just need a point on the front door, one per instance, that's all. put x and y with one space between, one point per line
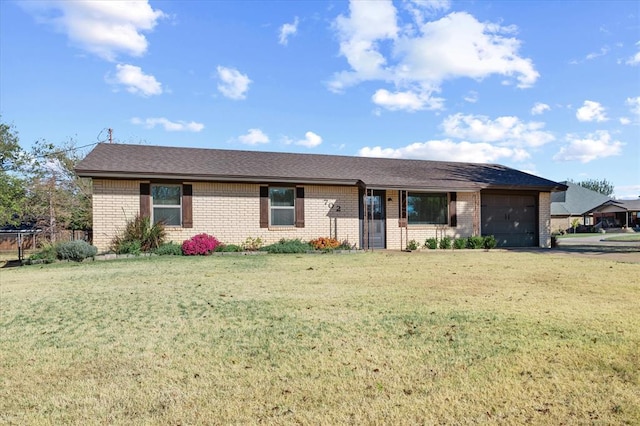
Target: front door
373 220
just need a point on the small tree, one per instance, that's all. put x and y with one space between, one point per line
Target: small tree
575 223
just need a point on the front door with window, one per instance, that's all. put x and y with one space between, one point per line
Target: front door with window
373 220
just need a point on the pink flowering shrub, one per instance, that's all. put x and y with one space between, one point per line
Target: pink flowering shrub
201 244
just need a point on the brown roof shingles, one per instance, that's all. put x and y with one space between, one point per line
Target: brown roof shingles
149 162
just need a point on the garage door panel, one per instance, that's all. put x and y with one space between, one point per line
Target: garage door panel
510 218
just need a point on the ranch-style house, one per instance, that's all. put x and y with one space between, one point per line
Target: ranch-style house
374 203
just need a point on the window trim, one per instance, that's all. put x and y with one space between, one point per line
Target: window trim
178 206
292 207
447 206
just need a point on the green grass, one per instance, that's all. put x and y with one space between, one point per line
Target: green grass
624 237
375 338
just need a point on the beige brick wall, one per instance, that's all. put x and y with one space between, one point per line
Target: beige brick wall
544 219
230 212
397 237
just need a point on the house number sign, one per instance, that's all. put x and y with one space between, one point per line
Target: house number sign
332 205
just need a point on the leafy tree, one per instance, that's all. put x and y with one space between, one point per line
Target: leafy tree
602 186
12 192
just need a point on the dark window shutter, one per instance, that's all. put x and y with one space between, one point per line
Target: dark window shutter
264 207
402 197
453 215
187 206
145 200
300 207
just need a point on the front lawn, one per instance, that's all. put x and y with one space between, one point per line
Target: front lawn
439 337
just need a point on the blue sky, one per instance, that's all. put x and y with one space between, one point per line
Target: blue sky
550 88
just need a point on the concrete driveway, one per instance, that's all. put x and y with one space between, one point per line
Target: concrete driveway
596 245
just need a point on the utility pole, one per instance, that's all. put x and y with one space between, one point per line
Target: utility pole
110 135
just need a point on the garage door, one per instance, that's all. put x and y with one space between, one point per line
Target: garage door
511 218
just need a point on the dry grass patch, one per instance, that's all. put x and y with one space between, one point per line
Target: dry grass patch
382 338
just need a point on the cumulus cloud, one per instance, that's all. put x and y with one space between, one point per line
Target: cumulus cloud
592 147
288 30
448 150
591 111
471 97
233 84
311 140
417 57
254 137
635 59
539 108
593 55
408 101
168 125
505 131
103 28
634 106
135 81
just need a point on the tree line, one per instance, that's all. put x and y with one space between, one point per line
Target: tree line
39 187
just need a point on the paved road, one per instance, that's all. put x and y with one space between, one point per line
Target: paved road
595 245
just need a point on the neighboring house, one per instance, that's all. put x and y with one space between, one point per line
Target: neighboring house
576 202
371 202
618 214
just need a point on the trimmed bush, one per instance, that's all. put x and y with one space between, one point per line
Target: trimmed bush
288 246
252 244
459 243
228 248
169 249
489 242
200 245
475 242
431 243
77 250
412 245
445 243
324 243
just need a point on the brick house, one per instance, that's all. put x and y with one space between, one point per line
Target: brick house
371 202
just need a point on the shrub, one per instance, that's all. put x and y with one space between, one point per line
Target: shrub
130 247
489 242
252 244
460 243
431 243
288 246
228 248
324 243
201 244
445 243
346 245
412 245
77 250
47 254
169 249
475 242
139 229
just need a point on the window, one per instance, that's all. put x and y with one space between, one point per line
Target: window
427 208
282 206
166 204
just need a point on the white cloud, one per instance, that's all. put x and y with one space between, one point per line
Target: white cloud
625 121
505 131
594 146
288 30
591 111
254 137
539 108
135 81
169 126
418 57
103 28
311 140
603 51
635 59
472 97
634 106
233 84
408 101
447 150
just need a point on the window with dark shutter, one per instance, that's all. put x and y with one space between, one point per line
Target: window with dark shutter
187 206
453 216
264 207
299 207
145 200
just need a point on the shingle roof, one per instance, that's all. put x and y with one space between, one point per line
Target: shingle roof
160 162
575 201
